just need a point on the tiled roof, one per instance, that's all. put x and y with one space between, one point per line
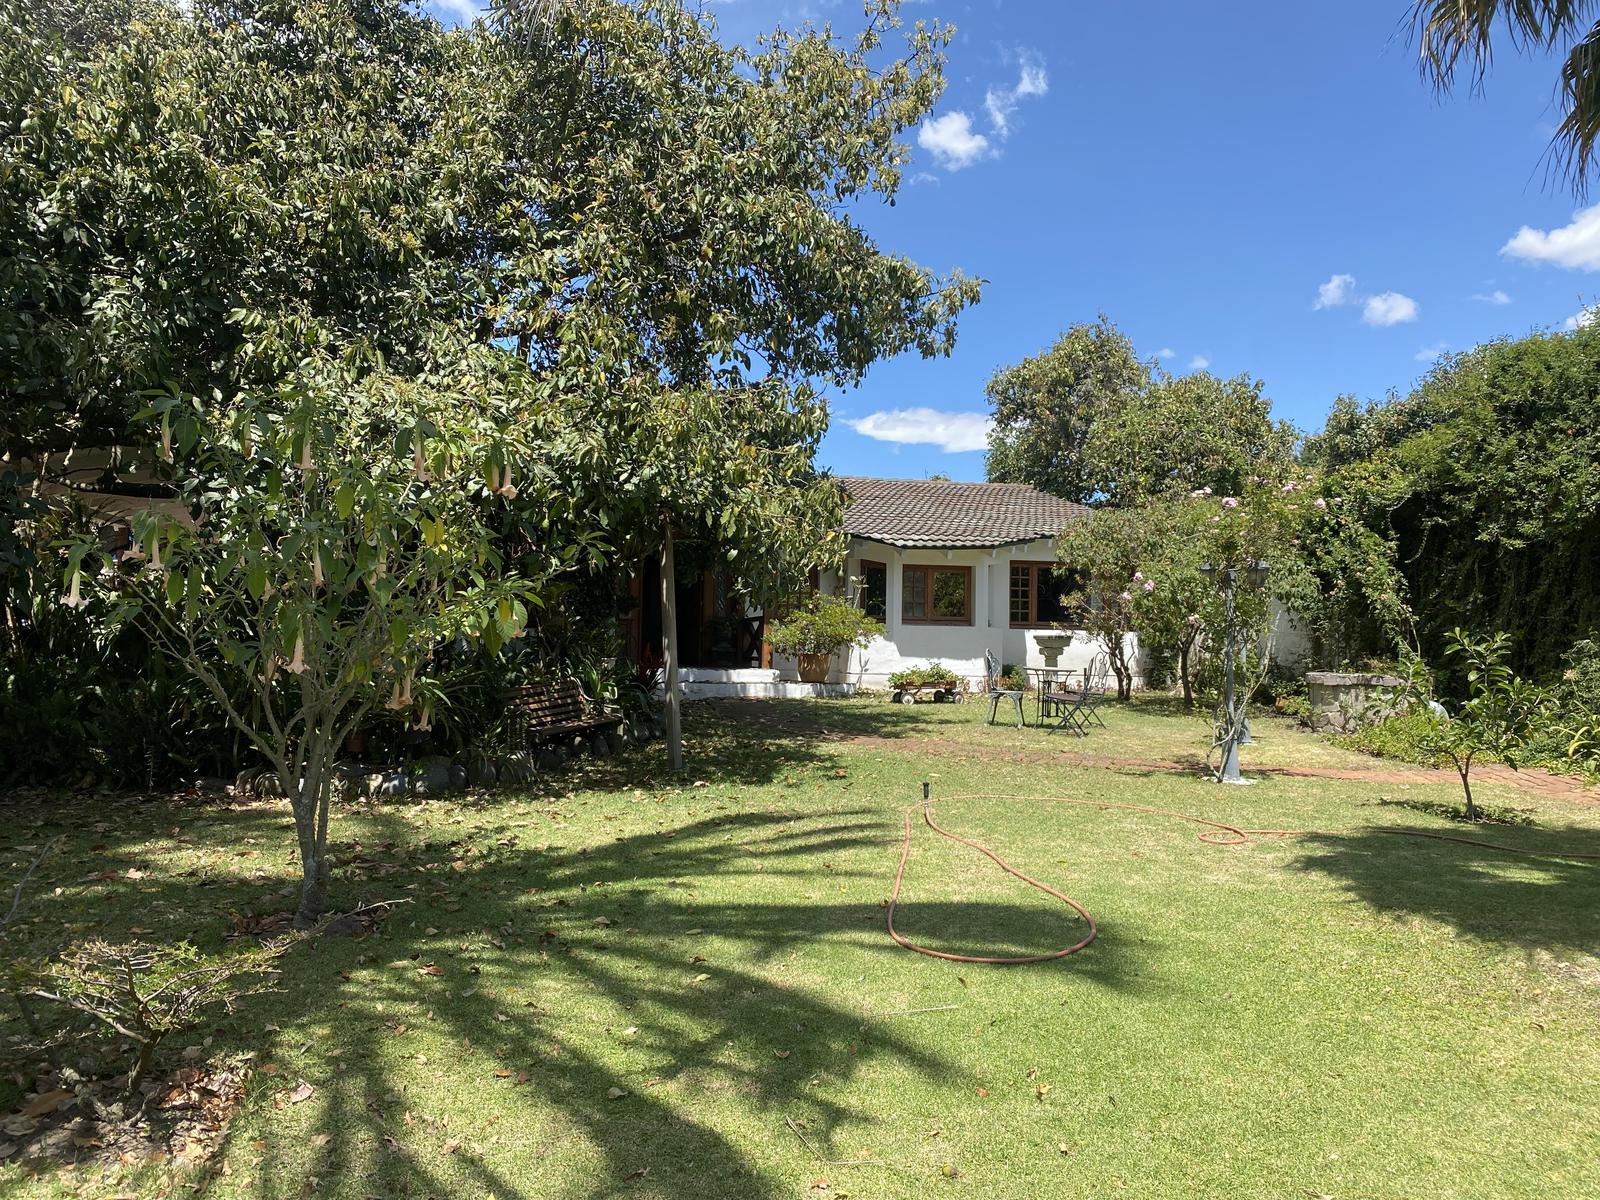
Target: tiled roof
938 513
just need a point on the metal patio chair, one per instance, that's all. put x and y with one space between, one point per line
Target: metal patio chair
991 669
1096 687
1065 704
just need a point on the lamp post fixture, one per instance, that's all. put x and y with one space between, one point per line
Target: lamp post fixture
1235 731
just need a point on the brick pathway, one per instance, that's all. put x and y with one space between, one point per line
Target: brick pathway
1531 779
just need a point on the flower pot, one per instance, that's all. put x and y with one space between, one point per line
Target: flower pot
814 667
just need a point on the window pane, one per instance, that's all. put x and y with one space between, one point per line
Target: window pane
875 590
950 595
1054 587
914 593
1021 589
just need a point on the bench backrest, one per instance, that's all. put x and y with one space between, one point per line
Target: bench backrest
549 703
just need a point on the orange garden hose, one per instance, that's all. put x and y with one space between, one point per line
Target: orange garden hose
1218 833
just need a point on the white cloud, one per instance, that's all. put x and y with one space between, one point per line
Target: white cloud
1497 296
1340 289
1584 316
1166 352
1389 308
1429 354
1001 102
1575 245
1199 362
921 177
952 141
463 12
952 432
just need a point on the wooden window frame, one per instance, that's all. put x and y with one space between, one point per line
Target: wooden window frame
1034 567
927 594
884 566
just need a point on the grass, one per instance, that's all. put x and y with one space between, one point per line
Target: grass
1347 1014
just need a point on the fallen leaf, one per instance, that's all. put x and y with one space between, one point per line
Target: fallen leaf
430 969
700 978
615 1093
47 1102
451 1146
502 1074
638 1173
302 1091
781 1053
983 1093
321 1139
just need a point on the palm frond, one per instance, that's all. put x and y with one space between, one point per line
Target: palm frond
1572 149
1453 35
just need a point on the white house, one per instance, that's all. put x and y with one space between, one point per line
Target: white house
953 569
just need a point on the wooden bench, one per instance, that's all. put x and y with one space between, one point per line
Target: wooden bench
543 712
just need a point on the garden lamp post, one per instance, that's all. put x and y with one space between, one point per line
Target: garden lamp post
1254 576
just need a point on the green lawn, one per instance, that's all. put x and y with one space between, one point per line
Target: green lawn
1349 1014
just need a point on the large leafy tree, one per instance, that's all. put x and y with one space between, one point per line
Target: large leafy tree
1484 480
1047 406
1185 432
1089 421
588 249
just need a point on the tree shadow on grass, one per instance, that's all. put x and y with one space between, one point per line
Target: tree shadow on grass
565 969
574 973
1530 902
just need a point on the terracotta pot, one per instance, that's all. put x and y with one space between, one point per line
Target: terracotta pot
814 667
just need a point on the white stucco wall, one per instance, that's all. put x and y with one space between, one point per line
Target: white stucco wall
959 647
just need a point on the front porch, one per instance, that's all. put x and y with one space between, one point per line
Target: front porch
753 683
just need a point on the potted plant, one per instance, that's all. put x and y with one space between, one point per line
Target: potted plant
819 629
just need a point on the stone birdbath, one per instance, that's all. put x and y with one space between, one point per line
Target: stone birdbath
1051 645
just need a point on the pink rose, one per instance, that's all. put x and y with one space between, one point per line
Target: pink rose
1321 503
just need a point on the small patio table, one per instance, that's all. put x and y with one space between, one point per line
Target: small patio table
1057 697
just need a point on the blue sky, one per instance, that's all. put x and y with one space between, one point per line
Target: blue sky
1249 187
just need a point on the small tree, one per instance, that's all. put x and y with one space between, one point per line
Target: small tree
1496 718
1106 550
146 993
1173 603
342 526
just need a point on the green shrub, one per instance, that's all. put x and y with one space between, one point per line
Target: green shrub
927 675
823 625
1401 737
1015 677
1581 676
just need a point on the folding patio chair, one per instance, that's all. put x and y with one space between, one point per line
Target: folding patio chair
1065 704
991 668
1096 687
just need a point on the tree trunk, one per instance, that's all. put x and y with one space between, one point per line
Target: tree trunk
1183 675
147 1051
310 804
669 652
1464 769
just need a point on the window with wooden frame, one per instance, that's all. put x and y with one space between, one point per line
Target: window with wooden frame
1038 595
875 589
936 595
